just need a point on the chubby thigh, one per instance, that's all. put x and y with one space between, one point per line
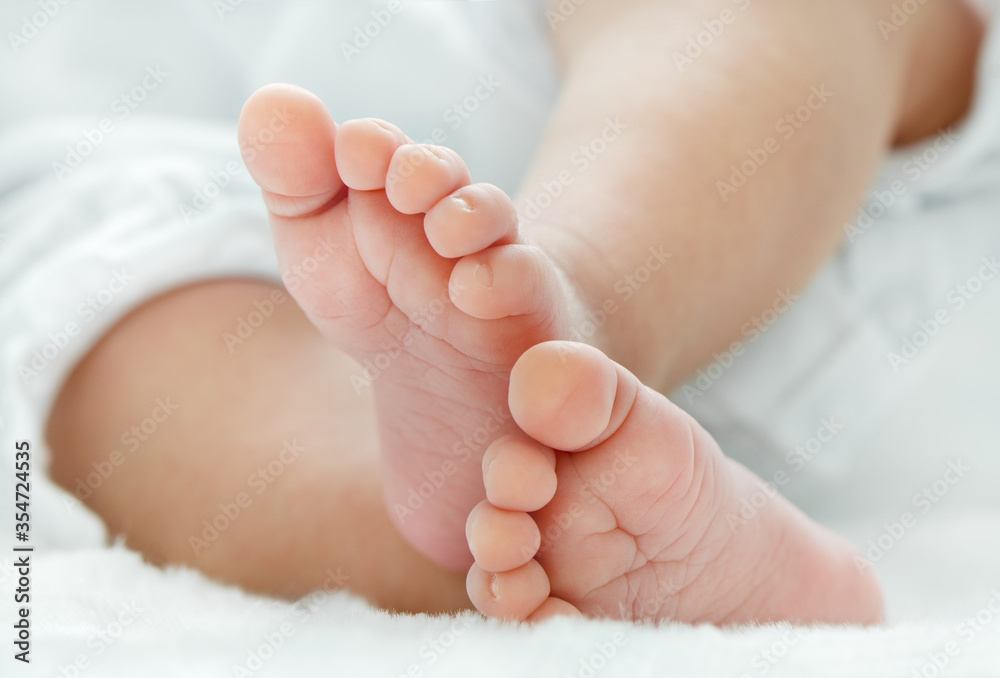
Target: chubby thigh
214 427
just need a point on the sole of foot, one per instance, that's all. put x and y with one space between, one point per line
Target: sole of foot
422 277
613 502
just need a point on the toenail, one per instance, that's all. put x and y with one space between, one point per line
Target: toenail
495 586
484 275
383 125
431 154
463 204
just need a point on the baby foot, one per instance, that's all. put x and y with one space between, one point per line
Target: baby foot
621 505
418 274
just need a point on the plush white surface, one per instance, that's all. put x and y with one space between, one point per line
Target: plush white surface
187 626
940 574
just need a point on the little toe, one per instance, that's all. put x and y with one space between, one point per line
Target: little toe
501 540
512 595
471 219
519 474
420 175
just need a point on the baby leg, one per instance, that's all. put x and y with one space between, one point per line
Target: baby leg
265 475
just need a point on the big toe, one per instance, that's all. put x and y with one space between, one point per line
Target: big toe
569 396
286 137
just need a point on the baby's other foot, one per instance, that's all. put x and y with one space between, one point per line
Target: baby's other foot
418 274
621 505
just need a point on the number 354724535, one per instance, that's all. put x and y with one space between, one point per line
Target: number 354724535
22 466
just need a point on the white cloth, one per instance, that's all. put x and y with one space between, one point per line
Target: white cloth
105 613
120 176
829 373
